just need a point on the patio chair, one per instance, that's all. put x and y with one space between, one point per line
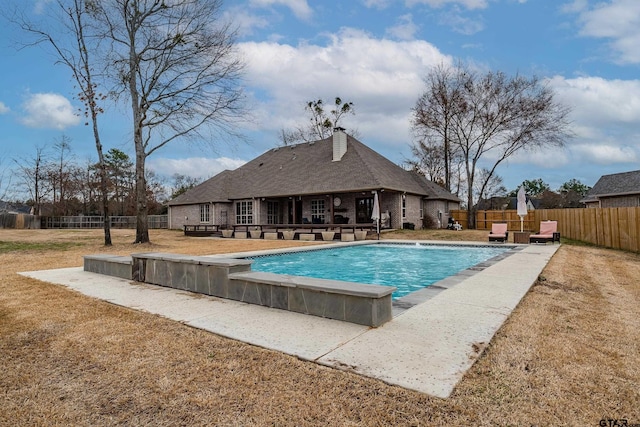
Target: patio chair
548 233
498 232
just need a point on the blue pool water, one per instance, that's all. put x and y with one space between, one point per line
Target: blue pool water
407 267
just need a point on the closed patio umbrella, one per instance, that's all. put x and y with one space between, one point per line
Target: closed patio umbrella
522 206
375 215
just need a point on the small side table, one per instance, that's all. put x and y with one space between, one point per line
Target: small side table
521 237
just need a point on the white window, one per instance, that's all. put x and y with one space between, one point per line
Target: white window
205 213
317 211
244 212
421 209
404 206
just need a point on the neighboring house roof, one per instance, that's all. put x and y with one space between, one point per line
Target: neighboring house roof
14 208
617 184
308 168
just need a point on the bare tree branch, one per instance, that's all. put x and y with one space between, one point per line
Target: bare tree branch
487 118
175 61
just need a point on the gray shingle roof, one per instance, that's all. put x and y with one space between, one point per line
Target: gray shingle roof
616 184
306 169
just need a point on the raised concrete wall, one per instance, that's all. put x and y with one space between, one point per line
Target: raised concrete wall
352 302
233 279
109 265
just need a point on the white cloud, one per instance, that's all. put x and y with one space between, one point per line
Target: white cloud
194 167
468 4
245 21
3 108
49 110
461 24
604 154
39 6
300 8
596 101
575 6
617 21
377 4
405 29
383 78
547 158
605 118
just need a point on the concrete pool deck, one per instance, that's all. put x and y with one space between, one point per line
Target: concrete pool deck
426 348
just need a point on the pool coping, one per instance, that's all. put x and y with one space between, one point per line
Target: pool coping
431 344
400 305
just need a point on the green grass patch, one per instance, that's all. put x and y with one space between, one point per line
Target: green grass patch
573 242
6 247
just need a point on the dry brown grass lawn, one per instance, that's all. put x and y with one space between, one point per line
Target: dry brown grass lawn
568 355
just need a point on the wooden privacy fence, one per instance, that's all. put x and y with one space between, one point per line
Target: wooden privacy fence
484 219
19 221
617 228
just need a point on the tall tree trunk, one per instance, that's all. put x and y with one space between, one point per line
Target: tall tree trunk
103 183
471 209
142 224
139 113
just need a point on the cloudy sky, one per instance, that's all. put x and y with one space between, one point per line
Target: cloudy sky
374 53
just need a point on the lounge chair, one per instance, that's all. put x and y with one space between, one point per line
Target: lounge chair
498 232
548 233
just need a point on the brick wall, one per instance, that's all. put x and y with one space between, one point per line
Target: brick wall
219 214
183 214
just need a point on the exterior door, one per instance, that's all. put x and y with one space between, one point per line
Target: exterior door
364 209
295 212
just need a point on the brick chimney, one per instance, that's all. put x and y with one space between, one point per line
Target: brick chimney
339 144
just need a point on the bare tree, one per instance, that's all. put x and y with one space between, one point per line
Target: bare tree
182 183
5 182
88 174
34 178
176 64
74 43
493 116
321 122
491 186
429 160
60 175
433 119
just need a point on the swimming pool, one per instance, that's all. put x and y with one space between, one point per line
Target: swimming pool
408 267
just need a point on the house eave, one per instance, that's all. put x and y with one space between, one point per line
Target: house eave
598 197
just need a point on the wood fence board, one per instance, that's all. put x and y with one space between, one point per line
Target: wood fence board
590 228
599 237
606 228
621 230
634 229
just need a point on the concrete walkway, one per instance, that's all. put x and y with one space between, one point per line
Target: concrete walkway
427 348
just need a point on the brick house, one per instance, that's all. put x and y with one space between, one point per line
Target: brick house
330 181
617 190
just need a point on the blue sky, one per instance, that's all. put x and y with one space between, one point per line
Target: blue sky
374 53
